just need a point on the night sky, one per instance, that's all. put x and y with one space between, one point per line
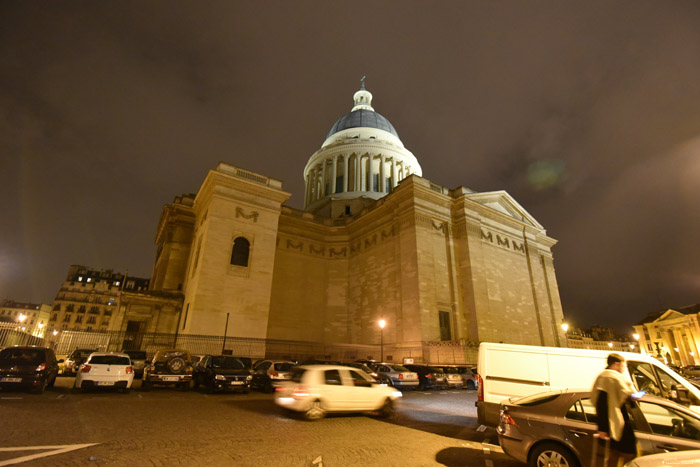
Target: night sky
587 113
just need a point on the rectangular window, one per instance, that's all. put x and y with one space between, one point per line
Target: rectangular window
78 319
445 331
92 320
66 319
375 182
387 185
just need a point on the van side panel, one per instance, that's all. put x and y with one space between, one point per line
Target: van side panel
574 371
515 374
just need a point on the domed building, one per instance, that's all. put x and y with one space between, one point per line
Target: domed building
445 268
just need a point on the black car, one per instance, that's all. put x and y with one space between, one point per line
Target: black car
223 373
28 367
429 376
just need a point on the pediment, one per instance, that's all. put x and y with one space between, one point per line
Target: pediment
503 203
669 315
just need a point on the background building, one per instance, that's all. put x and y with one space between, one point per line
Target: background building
672 335
33 317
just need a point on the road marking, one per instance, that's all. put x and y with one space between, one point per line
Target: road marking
60 396
12 398
54 450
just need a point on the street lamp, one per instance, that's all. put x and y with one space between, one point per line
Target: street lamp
636 336
610 344
21 318
565 327
382 323
55 332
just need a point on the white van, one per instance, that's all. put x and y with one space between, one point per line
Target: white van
509 370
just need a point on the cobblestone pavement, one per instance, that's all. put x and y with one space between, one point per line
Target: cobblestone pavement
165 427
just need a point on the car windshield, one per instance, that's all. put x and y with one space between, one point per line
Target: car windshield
19 356
228 363
284 366
136 354
437 370
449 369
398 368
109 360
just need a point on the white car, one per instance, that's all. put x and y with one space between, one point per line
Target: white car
315 390
103 369
667 458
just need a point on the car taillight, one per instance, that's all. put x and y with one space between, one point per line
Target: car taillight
300 391
129 370
506 419
41 367
400 375
189 371
480 382
85 369
428 375
274 374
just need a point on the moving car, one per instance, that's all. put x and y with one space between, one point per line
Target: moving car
666 458
106 369
429 376
557 427
138 361
396 375
74 360
28 367
269 373
222 373
316 390
168 367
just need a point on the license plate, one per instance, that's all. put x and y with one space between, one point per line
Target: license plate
171 378
237 382
10 380
105 383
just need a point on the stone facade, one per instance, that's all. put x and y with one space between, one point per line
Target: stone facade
438 265
672 335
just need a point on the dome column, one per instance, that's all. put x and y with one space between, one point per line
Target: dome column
346 173
334 182
394 174
382 176
323 179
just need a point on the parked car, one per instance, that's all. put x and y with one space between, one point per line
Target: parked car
74 360
558 426
316 390
666 458
105 369
223 373
196 359
373 373
168 367
396 375
470 377
269 373
454 378
138 361
28 367
429 377
691 371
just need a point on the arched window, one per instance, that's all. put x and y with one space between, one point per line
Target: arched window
241 252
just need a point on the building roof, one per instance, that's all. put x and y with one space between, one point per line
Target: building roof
362 118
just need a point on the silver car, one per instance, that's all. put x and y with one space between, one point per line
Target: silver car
138 361
396 375
556 428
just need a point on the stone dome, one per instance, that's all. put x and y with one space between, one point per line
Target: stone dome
362 118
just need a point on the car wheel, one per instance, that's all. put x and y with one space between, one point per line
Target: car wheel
196 383
125 390
268 388
552 455
40 389
387 409
176 365
470 384
53 381
315 411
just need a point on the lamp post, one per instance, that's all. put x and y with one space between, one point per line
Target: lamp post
382 323
564 327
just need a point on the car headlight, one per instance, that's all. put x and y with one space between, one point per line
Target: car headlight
220 377
249 377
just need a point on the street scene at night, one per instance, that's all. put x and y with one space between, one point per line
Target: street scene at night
304 233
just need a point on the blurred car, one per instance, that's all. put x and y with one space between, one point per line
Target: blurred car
557 427
267 374
429 377
138 361
223 373
666 458
454 378
105 369
74 360
691 371
396 375
316 390
28 367
170 367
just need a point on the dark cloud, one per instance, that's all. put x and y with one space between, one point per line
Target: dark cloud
587 113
